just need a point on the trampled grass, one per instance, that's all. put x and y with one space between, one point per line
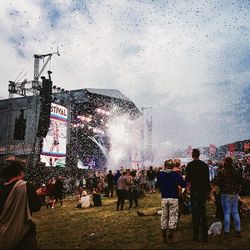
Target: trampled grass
105 228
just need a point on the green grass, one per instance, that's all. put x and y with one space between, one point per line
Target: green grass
106 228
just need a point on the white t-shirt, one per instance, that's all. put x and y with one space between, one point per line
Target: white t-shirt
85 201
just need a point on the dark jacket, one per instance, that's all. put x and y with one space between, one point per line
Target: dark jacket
168 183
229 180
197 174
111 180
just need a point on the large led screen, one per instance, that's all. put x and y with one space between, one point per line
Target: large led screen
54 144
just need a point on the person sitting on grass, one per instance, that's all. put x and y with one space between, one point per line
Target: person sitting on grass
97 199
84 201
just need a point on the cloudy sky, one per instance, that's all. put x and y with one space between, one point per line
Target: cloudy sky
188 60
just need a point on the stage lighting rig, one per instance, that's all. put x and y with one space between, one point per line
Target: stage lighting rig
84 118
102 112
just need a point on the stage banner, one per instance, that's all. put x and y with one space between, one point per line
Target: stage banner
212 149
246 147
189 151
54 144
231 148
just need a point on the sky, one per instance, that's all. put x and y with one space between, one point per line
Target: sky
187 59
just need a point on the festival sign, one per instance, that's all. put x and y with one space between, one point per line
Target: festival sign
54 145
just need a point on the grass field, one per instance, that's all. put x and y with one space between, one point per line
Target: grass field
105 228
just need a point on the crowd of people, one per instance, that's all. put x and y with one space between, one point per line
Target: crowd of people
184 189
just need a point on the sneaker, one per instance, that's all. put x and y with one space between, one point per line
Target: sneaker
226 235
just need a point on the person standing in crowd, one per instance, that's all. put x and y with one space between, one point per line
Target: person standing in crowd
133 190
197 175
18 199
211 170
143 180
229 181
151 175
59 190
111 183
168 182
121 190
117 176
51 193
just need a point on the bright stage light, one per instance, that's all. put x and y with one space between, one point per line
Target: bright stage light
84 118
102 111
76 125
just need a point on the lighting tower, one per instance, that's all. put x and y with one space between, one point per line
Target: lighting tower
26 87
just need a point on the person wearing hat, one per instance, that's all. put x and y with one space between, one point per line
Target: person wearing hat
229 180
84 201
18 199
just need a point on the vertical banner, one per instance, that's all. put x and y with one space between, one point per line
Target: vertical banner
54 144
189 151
212 149
231 148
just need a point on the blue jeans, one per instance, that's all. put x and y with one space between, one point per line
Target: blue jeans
152 184
230 206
